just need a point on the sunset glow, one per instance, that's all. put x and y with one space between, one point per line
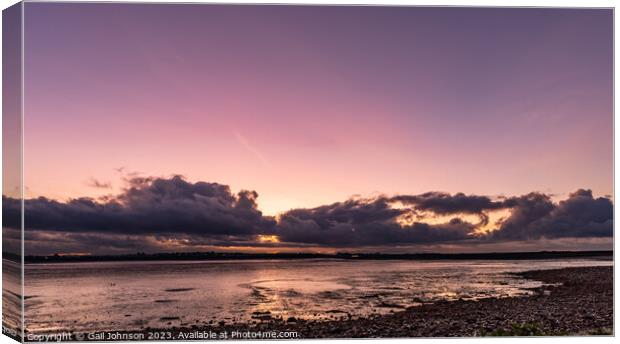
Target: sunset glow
308 124
200 172
268 239
315 128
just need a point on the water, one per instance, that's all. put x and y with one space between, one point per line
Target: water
11 297
135 295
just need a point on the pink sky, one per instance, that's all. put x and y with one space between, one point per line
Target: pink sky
309 106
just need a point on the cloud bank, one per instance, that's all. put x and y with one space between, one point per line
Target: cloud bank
172 213
150 206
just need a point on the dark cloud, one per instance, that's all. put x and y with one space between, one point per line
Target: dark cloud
155 213
151 206
11 240
535 216
49 242
364 223
444 203
524 210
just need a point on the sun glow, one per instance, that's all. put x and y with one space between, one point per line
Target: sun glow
268 239
494 220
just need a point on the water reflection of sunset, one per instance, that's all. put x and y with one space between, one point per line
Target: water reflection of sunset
247 291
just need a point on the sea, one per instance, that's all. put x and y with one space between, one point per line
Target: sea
113 296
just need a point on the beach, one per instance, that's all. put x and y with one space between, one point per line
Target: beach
572 301
85 297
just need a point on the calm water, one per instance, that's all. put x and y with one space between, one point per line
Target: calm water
134 295
11 296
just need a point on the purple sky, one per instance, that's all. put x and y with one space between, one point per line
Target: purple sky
311 105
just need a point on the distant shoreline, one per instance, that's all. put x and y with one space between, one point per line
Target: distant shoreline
219 256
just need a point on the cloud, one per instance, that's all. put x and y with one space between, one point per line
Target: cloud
444 203
173 213
364 222
150 206
535 216
92 182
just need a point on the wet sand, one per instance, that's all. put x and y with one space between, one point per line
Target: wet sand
572 301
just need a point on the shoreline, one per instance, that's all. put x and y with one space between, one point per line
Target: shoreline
580 304
235 256
573 301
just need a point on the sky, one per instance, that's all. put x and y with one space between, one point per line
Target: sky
310 105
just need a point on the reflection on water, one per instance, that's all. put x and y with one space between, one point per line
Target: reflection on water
135 295
11 297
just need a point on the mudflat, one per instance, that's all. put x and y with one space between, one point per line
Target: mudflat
573 301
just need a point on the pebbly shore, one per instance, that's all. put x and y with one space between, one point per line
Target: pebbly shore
572 301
